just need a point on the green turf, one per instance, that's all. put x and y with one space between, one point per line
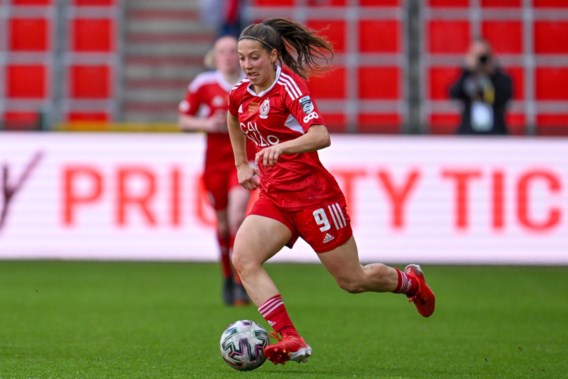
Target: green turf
152 320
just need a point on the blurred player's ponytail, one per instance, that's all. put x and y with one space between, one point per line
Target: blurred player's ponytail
300 48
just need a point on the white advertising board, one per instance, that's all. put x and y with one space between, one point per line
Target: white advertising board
411 199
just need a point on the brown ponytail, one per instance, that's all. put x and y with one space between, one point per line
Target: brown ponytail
300 48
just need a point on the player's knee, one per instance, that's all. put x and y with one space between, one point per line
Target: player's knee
242 262
236 260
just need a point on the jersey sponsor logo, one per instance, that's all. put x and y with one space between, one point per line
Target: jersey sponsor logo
265 108
311 116
307 105
250 130
252 107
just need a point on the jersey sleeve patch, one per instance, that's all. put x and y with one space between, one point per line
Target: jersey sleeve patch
307 105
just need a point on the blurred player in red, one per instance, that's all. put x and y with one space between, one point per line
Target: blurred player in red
204 109
298 196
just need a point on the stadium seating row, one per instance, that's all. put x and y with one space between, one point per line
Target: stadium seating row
51 57
371 43
46 55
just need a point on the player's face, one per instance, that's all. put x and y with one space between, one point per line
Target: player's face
226 57
257 63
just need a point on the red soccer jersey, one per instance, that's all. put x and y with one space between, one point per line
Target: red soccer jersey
206 95
283 112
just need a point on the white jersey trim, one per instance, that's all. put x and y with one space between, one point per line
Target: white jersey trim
211 77
202 79
293 124
251 91
239 84
290 81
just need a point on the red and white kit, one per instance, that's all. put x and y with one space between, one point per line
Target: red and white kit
298 190
207 95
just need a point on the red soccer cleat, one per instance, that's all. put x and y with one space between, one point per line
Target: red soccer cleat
288 348
424 298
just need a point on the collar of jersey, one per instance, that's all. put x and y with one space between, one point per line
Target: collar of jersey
251 91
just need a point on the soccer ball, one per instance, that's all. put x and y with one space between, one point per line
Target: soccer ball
242 345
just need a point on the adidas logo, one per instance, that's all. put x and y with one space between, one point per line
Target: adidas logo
241 108
328 237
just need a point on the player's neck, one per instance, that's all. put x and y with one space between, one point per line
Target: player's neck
266 85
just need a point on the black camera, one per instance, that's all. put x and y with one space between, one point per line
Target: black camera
483 59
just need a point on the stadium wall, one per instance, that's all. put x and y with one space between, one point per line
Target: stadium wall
440 200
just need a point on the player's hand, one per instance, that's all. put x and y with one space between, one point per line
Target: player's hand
269 156
217 122
248 176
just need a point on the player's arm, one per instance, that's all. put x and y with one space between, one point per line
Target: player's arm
315 138
188 121
200 124
248 175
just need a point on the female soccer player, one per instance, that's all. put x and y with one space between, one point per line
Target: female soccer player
208 93
298 196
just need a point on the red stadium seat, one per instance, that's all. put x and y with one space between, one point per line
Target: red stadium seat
29 34
547 37
501 3
443 123
380 3
550 3
26 81
441 78
552 124
336 122
92 35
90 82
334 30
516 123
504 36
448 3
330 85
20 120
88 116
518 77
379 83
448 37
94 2
380 36
386 123
550 83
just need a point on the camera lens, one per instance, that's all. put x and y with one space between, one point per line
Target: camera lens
483 59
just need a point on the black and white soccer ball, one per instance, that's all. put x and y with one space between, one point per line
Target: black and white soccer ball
242 345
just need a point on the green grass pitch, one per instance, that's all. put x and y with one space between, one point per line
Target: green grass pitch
164 320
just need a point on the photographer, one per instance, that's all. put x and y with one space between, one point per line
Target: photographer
484 89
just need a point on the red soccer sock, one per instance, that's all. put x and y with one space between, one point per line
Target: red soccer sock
274 312
405 284
224 247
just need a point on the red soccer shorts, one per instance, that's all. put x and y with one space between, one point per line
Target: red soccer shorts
218 183
323 227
